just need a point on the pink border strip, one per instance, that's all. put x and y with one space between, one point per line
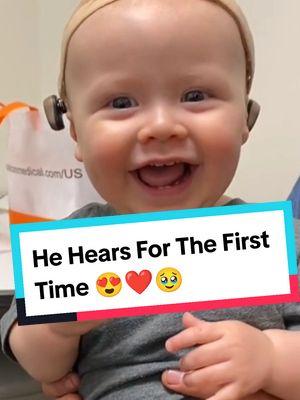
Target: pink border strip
292 297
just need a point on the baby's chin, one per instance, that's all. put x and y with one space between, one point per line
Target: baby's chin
144 208
136 209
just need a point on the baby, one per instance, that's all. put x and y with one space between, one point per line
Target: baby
156 92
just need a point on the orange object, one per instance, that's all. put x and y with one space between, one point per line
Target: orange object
20 218
7 109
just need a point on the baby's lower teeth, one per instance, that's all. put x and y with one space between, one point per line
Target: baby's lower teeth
170 186
164 187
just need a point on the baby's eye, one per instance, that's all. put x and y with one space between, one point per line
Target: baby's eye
123 102
164 280
194 96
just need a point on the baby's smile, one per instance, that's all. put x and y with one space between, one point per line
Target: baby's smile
165 177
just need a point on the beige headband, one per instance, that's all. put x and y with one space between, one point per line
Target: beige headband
87 7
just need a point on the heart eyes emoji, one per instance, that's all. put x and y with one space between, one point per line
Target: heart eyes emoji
109 284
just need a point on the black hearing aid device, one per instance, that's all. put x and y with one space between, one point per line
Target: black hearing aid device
55 108
253 109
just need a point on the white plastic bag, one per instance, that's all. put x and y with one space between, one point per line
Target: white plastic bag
45 181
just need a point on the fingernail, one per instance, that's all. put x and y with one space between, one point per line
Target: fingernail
168 345
174 377
190 315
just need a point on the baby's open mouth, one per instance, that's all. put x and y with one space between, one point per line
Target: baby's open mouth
167 175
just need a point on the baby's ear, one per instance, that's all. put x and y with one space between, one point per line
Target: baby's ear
245 133
253 109
73 134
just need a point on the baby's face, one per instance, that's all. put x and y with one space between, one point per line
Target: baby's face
157 102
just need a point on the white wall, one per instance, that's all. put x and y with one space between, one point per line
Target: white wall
52 16
270 163
20 62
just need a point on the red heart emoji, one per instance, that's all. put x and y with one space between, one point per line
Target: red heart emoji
139 282
114 281
102 282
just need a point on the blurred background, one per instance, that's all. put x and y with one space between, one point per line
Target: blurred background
30 32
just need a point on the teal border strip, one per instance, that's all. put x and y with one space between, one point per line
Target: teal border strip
284 206
17 261
290 237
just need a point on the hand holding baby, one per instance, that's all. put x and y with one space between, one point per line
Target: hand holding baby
74 329
232 360
64 339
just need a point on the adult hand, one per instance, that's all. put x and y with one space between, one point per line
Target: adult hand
74 329
261 396
64 389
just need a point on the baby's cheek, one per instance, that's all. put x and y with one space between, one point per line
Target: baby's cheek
222 146
98 151
221 157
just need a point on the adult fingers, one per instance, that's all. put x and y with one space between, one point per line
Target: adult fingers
65 386
71 396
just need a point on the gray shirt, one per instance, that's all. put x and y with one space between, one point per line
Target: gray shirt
124 358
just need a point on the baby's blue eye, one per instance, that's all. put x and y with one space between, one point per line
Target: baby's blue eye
164 280
123 102
194 96
173 279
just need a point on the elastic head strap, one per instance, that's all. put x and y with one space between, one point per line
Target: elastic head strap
88 7
55 107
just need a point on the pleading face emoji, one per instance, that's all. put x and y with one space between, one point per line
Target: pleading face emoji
109 284
168 279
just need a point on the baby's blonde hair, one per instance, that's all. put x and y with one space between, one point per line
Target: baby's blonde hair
88 7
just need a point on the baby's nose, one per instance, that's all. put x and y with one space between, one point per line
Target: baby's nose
162 127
